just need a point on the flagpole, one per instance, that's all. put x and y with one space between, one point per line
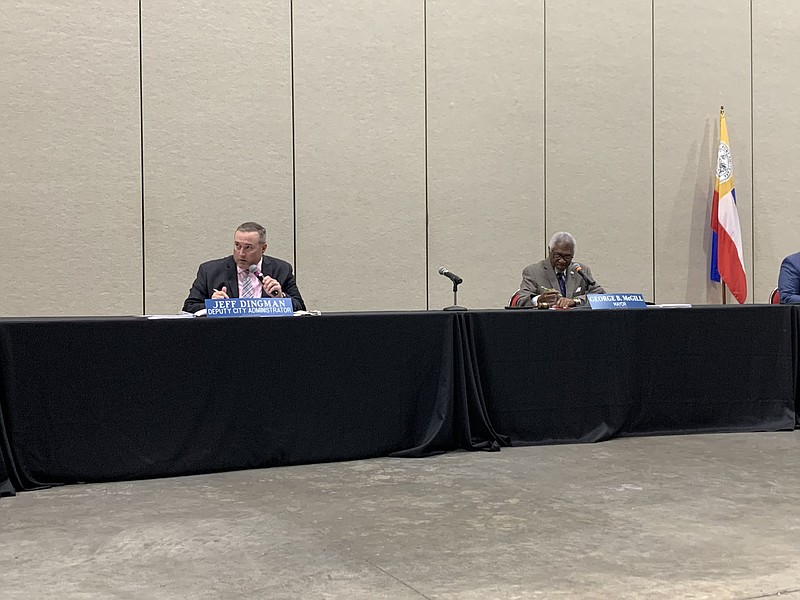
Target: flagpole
722 281
724 287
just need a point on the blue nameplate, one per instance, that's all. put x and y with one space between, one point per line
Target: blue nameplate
249 307
606 301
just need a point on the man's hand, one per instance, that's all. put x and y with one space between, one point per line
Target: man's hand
565 303
549 296
272 287
218 294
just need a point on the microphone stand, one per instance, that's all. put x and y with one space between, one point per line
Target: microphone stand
455 300
588 283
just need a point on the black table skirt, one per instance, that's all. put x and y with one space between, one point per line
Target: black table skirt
110 399
93 400
796 354
589 376
6 489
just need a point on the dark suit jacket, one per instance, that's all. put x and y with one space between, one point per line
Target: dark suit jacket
222 271
542 274
789 279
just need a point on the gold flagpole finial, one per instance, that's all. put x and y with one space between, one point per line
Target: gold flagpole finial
722 110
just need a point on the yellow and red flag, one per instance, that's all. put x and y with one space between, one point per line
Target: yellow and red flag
727 257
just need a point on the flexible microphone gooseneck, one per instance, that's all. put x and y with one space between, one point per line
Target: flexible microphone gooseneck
451 276
579 270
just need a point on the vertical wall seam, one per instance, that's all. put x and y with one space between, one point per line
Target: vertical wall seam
294 155
544 120
752 166
653 133
141 161
425 151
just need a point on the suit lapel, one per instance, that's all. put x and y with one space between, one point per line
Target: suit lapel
266 269
551 276
574 281
232 277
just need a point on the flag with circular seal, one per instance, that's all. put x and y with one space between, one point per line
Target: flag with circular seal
727 256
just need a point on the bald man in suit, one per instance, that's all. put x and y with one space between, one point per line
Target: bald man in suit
230 277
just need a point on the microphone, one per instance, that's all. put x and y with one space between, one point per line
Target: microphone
254 270
579 270
451 276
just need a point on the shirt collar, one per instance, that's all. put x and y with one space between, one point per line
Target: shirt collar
240 270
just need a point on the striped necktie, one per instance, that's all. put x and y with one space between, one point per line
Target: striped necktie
247 286
562 283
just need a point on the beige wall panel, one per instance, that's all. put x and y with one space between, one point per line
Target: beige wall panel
702 61
776 129
217 135
360 163
70 180
599 181
485 146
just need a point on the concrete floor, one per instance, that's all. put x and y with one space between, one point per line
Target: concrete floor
703 516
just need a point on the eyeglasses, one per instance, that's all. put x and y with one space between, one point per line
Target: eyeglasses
559 256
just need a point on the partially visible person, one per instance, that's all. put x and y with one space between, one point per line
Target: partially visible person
230 277
554 281
789 279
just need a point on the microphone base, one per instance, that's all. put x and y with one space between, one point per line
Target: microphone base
455 308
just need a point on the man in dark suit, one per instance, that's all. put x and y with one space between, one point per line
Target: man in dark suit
789 279
555 281
230 277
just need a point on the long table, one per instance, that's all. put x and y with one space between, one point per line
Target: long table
590 376
109 399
